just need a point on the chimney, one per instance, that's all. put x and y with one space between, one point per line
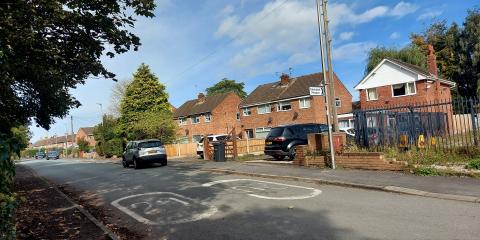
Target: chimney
284 79
432 61
201 97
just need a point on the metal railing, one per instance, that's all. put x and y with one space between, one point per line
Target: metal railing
442 124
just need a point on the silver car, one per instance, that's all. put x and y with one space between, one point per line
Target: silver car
140 153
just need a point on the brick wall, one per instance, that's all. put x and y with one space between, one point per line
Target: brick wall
426 92
367 161
222 121
82 134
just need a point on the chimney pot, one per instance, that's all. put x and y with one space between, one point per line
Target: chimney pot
284 79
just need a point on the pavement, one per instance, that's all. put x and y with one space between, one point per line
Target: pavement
185 200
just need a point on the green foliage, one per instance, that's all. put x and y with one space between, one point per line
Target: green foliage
457 49
114 147
410 54
426 171
107 130
29 153
49 47
227 85
155 125
475 164
145 111
83 145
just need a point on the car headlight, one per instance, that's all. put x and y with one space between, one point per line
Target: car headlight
161 150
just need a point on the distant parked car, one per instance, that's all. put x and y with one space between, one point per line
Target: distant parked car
144 152
53 155
39 155
211 138
283 141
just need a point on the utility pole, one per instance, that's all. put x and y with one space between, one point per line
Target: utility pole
103 129
325 83
71 128
331 80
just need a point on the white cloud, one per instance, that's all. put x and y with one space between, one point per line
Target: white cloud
288 30
429 14
227 10
394 35
346 35
402 9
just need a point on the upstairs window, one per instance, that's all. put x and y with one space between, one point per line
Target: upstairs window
247 112
372 94
338 102
208 117
182 121
403 89
284 106
195 119
304 102
263 109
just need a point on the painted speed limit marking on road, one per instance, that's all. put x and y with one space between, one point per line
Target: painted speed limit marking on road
267 190
161 208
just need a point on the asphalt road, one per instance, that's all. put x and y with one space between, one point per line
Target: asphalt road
181 202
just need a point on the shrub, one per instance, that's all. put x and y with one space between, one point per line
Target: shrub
113 147
426 171
475 164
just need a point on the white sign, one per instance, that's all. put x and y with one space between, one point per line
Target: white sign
317 91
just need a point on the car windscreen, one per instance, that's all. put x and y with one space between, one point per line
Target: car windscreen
52 152
276 132
150 144
221 138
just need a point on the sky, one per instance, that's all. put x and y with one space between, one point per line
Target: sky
190 45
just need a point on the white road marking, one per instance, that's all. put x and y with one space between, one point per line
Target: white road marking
150 210
314 191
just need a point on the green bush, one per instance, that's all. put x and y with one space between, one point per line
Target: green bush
114 147
426 171
475 164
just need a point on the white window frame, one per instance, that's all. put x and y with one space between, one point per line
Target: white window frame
209 118
338 102
197 121
376 93
406 89
266 107
283 103
261 130
247 112
302 102
182 121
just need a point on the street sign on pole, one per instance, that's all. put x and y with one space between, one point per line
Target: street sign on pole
317 91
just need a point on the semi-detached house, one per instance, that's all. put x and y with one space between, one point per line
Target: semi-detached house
288 101
215 114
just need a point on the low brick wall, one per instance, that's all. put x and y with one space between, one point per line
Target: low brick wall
367 161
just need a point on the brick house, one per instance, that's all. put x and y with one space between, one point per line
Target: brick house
207 115
393 82
56 142
87 134
288 101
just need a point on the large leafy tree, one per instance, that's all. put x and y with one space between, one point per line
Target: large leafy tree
226 85
118 92
410 54
144 95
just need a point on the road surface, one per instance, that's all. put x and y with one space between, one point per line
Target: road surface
180 201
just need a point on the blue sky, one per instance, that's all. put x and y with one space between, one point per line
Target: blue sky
192 44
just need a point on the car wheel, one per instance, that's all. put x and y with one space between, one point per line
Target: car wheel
136 164
201 156
279 158
292 153
124 163
164 163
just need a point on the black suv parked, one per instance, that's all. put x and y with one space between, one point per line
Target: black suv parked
282 141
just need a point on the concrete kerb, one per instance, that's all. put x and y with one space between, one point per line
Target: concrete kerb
80 208
392 189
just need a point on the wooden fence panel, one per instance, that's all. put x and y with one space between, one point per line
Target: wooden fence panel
181 150
245 146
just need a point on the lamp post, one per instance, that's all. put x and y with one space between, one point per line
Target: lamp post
103 129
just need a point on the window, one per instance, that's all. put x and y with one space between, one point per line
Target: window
284 106
338 102
182 121
403 89
372 94
208 117
304 102
262 109
238 116
247 112
249 133
262 132
195 119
